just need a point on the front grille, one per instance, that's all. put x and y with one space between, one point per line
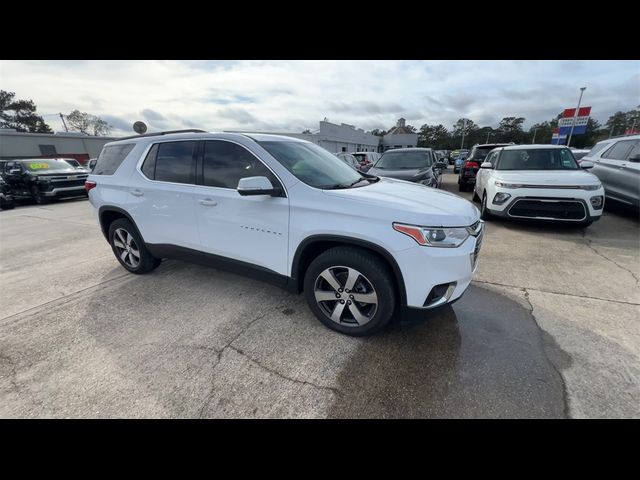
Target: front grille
548 209
63 181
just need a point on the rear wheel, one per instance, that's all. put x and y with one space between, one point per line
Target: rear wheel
7 205
129 248
350 290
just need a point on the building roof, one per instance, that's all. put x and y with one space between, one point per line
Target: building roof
400 131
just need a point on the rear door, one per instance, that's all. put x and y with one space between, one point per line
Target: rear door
162 195
629 173
250 229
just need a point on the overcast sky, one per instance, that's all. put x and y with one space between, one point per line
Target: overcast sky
290 96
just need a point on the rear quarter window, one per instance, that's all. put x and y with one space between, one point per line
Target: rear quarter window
111 158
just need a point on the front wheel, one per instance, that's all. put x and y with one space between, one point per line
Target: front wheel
7 205
475 196
350 290
129 248
37 196
485 214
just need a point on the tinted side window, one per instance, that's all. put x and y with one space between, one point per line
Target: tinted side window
225 163
619 150
111 158
176 162
635 150
149 165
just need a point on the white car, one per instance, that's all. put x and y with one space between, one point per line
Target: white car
542 182
361 247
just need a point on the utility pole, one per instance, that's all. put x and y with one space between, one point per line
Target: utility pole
488 133
64 123
534 136
464 129
573 124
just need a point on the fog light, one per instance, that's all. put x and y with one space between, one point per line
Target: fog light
500 198
596 202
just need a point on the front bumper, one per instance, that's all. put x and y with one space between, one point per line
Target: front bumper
449 270
64 192
552 205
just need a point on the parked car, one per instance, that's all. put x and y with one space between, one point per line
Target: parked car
43 179
579 153
542 182
366 159
617 165
441 159
75 164
360 247
6 196
457 164
349 160
411 164
471 164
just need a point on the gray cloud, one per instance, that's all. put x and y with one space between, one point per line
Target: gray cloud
152 115
240 115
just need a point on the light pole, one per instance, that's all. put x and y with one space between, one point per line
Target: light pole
464 129
573 124
534 136
488 133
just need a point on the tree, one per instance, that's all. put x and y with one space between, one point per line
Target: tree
20 114
463 126
510 130
434 136
541 133
306 132
378 133
88 124
411 128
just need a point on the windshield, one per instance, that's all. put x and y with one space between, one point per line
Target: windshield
73 163
537 159
35 165
404 160
312 164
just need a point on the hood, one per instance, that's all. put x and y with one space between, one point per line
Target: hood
547 177
408 174
66 171
413 203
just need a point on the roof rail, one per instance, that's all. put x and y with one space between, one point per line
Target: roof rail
190 130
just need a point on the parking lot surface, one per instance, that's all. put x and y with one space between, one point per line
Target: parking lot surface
548 329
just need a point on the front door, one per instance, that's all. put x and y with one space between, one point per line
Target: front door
251 229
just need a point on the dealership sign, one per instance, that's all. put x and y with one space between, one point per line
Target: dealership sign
561 133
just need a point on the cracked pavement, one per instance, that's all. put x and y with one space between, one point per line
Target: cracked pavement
548 329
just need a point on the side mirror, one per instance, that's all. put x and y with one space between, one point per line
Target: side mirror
586 164
14 171
635 158
257 186
486 165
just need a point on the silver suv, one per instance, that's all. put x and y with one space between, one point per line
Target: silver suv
617 165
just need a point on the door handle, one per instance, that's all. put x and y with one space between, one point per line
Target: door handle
208 202
137 192
624 165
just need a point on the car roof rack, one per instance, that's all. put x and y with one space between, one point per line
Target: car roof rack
190 130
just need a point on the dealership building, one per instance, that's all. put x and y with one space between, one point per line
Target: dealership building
347 138
14 144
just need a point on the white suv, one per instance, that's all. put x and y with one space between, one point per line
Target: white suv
360 247
539 182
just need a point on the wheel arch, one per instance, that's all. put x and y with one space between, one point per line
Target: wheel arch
108 214
315 245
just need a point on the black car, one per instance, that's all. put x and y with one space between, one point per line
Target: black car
472 162
411 164
6 197
43 179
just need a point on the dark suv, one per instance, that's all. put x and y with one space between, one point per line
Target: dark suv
472 162
43 179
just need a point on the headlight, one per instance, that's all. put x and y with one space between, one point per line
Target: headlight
508 185
596 202
597 186
43 179
434 236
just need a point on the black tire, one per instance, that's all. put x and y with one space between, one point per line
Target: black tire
146 262
585 224
376 274
475 196
485 214
37 197
461 186
7 205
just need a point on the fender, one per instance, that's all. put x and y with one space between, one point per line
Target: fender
397 273
111 208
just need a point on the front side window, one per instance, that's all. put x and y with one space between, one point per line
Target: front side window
176 162
404 160
597 148
312 164
619 151
538 159
225 163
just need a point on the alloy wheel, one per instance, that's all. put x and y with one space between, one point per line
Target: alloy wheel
345 296
126 248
